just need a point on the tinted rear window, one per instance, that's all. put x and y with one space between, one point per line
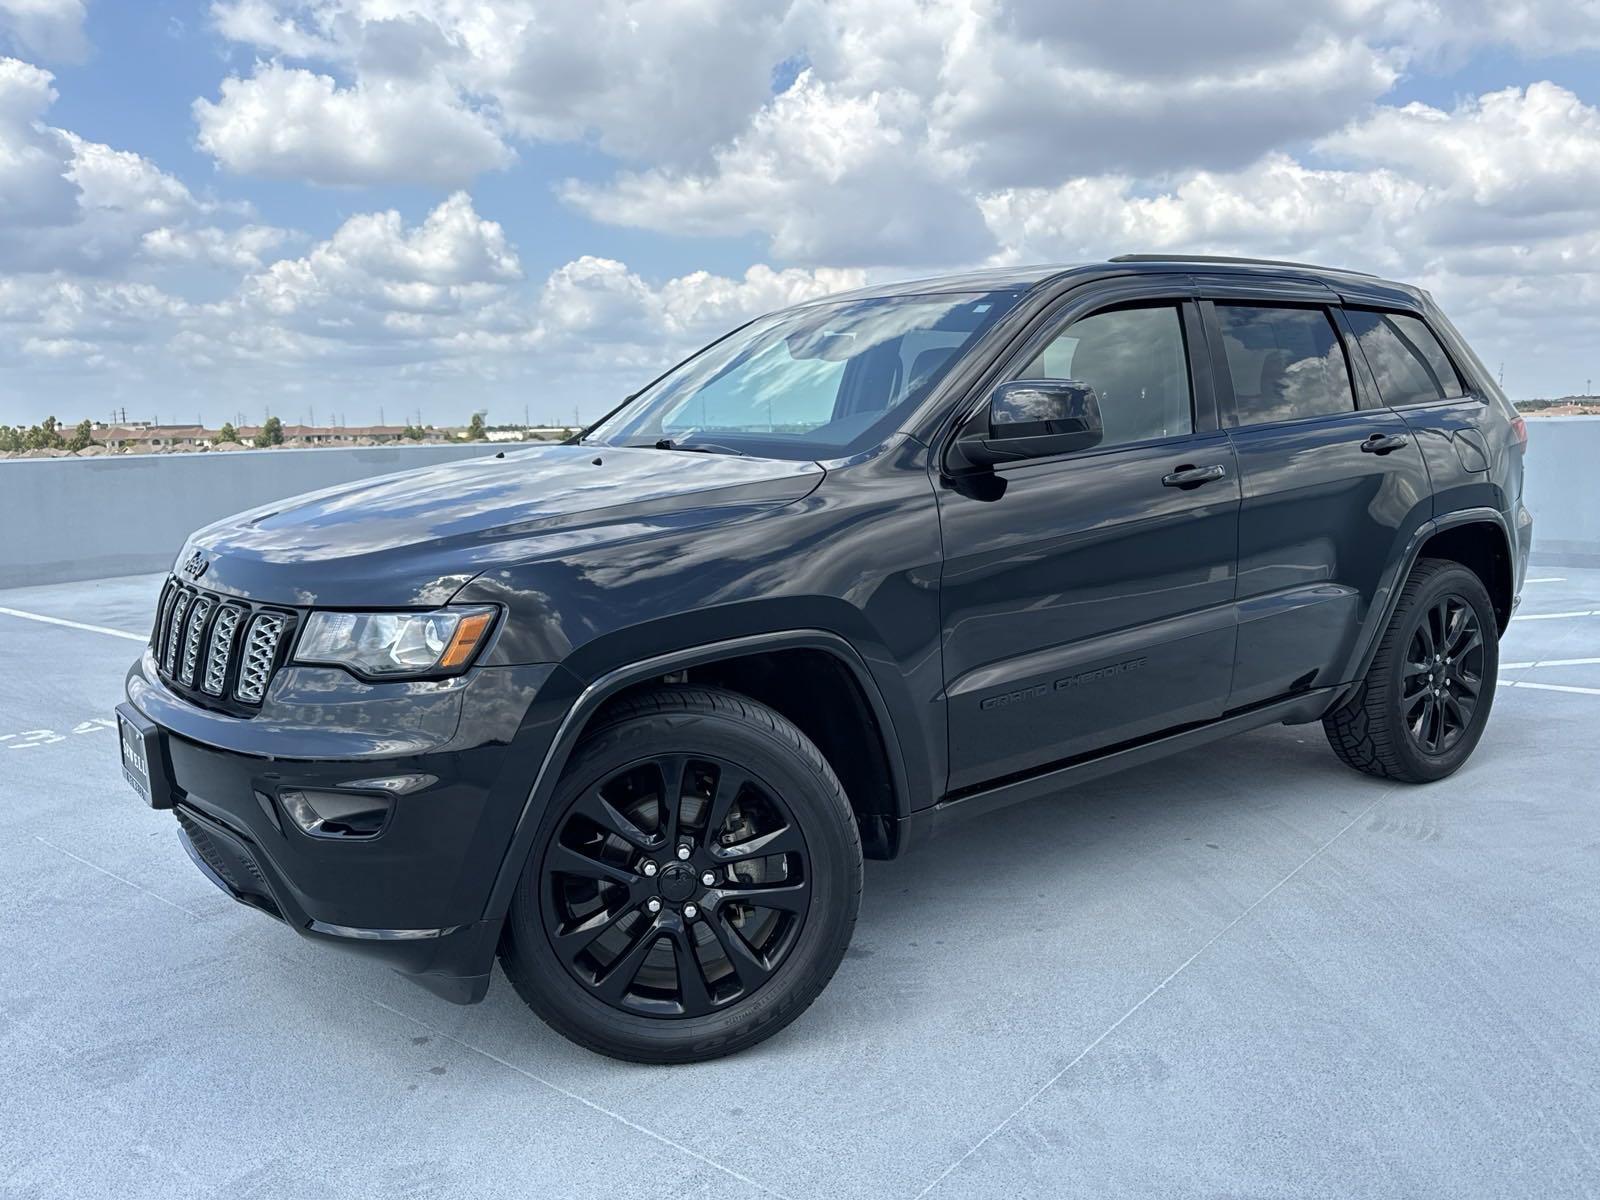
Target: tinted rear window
1285 363
1410 365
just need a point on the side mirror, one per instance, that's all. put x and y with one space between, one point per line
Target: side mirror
1033 418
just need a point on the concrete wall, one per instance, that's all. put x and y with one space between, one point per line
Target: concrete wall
1562 490
89 518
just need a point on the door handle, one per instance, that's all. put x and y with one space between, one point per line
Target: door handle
1188 476
1380 443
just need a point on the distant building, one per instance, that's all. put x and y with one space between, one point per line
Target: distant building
141 435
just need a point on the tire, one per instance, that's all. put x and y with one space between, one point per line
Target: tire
707 973
1384 729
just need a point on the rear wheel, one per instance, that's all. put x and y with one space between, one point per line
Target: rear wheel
1423 704
694 884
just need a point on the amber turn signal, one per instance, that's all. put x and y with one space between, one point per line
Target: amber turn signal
464 643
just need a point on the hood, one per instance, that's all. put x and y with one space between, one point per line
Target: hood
415 538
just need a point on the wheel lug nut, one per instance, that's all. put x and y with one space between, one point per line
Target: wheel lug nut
650 870
690 912
684 852
709 878
653 904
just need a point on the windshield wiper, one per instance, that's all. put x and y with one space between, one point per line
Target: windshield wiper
698 447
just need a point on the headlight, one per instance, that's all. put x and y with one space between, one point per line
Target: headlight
395 644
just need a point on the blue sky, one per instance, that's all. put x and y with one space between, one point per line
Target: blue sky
435 206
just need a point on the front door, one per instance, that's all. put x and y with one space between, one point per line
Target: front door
1087 599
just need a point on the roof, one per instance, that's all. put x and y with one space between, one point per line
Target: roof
993 279
1029 277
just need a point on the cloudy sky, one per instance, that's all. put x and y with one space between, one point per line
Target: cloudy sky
336 208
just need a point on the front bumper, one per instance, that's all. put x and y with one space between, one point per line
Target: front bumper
451 962
414 896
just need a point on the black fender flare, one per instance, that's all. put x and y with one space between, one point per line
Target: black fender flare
603 687
1388 595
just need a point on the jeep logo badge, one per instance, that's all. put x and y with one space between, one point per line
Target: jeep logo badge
196 566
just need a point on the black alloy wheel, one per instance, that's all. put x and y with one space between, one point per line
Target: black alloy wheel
1422 706
1443 675
693 884
676 886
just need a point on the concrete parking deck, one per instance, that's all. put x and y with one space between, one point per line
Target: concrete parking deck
1242 971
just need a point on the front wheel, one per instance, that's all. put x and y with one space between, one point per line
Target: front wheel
693 885
1423 703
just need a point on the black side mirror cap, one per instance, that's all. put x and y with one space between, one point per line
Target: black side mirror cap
1032 418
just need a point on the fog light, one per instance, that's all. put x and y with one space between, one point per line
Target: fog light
336 814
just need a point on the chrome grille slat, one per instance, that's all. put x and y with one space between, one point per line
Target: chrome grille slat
180 609
158 636
260 652
221 651
198 612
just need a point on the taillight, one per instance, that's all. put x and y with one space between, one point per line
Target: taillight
1519 430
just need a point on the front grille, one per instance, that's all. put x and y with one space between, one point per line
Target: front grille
220 651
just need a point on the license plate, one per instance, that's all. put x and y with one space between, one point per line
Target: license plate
140 743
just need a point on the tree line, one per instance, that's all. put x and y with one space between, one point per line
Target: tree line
49 434
46 436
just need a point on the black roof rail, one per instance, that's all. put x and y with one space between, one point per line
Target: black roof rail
1228 258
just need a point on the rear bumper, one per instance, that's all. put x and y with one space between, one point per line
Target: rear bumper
414 896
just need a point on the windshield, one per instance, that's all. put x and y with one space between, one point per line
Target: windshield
823 381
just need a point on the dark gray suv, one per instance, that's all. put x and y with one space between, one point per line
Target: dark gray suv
629 712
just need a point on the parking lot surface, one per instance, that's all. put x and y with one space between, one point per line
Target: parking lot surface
1244 971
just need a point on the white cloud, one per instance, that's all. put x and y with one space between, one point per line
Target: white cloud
242 249
829 177
912 108
50 29
1516 168
1509 165
665 79
291 123
68 204
599 300
34 189
906 114
1451 29
379 295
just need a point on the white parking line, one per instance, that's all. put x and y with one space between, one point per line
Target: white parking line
1555 687
1551 662
1547 579
1555 616
30 616
583 1100
138 887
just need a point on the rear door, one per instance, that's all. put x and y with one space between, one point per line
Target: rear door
1332 488
1414 375
1088 598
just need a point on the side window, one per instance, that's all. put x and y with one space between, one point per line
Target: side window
1134 360
1410 365
1285 363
